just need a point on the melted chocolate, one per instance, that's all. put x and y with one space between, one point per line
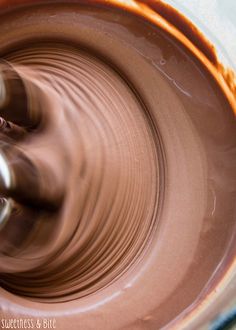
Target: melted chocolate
139 134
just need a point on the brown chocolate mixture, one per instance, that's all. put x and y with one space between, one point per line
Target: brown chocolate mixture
138 142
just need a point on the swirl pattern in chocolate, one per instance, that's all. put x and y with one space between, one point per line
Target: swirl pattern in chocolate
110 171
138 139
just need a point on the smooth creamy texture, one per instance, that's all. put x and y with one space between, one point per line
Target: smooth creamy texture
142 140
110 174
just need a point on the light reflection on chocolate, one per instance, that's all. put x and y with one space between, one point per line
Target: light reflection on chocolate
142 139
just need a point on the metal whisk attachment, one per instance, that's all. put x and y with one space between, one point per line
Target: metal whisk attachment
23 180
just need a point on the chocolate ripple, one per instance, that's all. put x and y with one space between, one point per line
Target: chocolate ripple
110 169
146 82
